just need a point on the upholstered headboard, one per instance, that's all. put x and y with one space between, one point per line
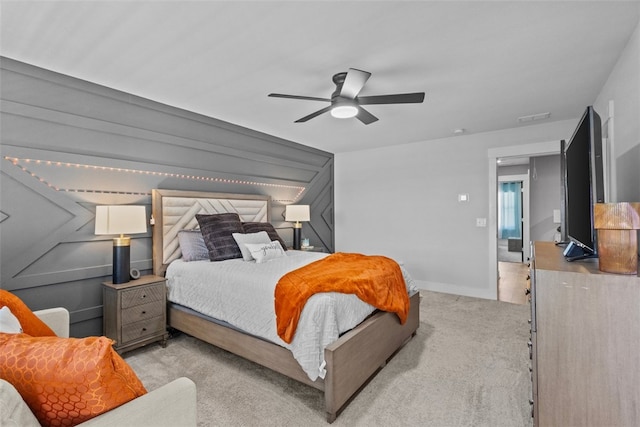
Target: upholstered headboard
175 210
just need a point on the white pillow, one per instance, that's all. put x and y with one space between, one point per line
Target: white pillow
242 239
263 252
9 324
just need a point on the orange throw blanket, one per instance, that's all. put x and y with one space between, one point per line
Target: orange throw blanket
376 280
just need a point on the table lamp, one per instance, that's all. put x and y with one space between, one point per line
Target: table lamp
121 219
297 213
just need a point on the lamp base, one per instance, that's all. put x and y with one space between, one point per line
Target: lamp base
297 234
121 260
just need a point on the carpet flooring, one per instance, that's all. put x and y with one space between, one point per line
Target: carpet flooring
468 365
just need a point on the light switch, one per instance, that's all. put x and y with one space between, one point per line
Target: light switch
481 222
463 197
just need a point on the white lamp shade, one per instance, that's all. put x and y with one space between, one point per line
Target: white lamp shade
297 213
121 219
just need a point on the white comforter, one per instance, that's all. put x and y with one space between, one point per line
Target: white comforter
242 294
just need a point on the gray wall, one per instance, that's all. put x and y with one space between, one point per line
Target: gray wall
402 201
623 89
544 196
513 170
68 145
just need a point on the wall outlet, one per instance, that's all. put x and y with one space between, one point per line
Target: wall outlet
481 222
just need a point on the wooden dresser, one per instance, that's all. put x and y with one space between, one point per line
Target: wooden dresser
134 313
585 342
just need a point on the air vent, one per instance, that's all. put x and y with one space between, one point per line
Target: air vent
534 117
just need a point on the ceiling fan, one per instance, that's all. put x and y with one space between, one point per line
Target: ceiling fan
346 103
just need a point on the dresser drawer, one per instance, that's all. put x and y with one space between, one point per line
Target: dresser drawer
142 312
134 331
142 295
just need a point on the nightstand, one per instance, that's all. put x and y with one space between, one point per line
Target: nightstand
134 313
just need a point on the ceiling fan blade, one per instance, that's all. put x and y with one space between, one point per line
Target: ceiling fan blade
366 117
399 98
354 82
312 115
306 98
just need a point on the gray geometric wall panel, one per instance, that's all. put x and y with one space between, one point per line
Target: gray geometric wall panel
69 145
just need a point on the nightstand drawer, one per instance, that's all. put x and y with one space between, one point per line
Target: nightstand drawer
142 295
142 312
142 329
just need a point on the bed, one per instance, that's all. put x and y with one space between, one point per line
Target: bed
346 366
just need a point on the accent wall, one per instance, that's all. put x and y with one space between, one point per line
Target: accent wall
68 145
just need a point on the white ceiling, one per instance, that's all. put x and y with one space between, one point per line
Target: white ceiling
482 64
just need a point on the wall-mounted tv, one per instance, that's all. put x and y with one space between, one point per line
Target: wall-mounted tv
584 185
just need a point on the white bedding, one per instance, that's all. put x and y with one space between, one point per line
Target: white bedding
242 294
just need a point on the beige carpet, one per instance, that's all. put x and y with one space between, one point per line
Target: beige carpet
467 366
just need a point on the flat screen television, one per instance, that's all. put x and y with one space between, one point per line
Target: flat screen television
584 185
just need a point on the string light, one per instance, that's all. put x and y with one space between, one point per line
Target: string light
18 162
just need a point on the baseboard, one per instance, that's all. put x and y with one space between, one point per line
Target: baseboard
449 288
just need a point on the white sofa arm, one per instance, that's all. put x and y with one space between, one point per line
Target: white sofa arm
171 405
57 319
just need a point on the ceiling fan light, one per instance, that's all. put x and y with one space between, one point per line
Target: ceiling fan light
344 111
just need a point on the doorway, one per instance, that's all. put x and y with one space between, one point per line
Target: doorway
513 217
493 154
513 230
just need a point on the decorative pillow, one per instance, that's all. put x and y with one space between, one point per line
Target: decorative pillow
192 245
217 231
252 227
263 252
242 239
30 323
9 324
66 381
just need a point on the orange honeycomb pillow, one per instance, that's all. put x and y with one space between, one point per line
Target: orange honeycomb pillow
30 323
66 381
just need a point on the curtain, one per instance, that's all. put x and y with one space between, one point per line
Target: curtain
510 210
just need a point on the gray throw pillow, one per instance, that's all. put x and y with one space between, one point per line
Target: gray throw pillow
217 231
192 245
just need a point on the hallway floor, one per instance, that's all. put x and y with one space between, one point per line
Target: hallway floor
512 282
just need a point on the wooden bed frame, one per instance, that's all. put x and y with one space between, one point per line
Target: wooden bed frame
351 361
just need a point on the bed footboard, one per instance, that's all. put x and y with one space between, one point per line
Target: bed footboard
249 347
349 368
